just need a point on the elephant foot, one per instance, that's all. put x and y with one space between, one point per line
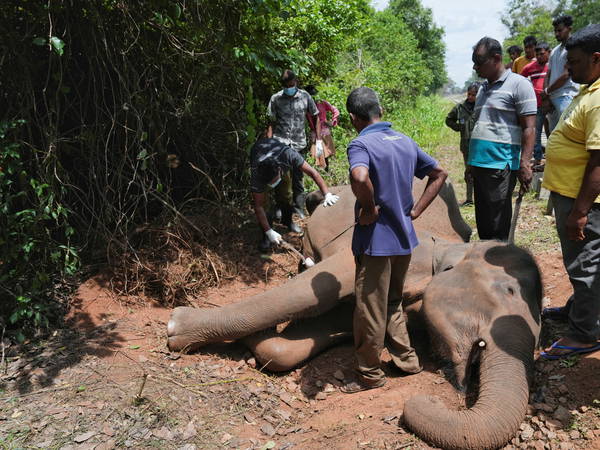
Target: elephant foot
179 329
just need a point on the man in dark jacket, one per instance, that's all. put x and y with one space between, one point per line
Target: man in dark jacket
462 119
270 161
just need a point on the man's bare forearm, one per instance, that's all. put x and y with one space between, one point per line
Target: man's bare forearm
558 83
435 182
527 138
316 176
259 211
590 186
363 188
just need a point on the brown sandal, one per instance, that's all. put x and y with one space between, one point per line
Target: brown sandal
359 386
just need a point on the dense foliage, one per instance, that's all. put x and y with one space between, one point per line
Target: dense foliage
124 113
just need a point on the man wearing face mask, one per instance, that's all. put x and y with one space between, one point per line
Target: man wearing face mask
270 162
287 110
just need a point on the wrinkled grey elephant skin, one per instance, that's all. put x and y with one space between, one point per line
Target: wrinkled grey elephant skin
480 303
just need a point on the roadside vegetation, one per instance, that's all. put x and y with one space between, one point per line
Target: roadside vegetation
124 140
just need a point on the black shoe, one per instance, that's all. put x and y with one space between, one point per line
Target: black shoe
264 246
467 203
558 313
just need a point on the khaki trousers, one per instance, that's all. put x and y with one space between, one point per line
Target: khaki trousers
378 314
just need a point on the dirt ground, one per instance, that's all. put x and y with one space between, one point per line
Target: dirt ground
106 380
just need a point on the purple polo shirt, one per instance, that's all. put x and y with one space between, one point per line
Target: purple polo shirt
393 160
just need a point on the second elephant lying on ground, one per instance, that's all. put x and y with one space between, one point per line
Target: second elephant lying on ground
480 301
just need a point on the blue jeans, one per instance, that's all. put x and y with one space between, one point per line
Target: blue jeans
560 104
538 153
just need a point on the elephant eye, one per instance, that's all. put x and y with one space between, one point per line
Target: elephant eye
450 267
510 290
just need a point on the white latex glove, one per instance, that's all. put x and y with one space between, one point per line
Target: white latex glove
330 199
319 147
273 236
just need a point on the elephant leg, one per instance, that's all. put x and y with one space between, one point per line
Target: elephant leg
301 340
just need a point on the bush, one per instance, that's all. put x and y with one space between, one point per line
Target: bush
34 236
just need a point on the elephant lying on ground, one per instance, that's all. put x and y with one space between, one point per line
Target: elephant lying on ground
480 302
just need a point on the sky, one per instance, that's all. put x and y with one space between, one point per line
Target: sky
465 22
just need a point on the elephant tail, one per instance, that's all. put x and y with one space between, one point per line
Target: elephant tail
498 411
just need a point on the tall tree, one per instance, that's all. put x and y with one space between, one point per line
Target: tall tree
419 20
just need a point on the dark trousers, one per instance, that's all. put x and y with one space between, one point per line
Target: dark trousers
298 187
582 263
493 201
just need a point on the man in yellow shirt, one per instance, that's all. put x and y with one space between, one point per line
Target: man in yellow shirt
530 42
573 176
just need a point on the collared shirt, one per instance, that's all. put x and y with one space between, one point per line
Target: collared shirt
520 63
324 107
536 73
275 153
577 133
393 160
556 65
288 114
496 137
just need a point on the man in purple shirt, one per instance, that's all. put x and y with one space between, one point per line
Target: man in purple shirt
383 164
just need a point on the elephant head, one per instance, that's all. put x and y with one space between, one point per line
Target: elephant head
483 314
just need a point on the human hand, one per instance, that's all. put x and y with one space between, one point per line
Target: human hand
468 174
319 144
273 236
525 175
330 199
576 223
368 217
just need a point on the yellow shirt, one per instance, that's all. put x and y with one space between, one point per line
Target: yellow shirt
577 132
520 63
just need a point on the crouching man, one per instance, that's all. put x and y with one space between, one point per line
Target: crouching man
270 159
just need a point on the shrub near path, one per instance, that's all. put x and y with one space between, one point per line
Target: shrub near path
107 381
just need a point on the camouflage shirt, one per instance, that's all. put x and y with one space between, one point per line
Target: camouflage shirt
288 117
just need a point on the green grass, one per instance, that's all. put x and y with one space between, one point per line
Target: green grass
424 122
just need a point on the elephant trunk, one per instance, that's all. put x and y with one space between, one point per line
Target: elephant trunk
310 294
496 415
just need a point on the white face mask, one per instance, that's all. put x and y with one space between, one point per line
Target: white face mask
274 184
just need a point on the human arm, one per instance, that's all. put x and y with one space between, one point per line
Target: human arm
269 133
452 119
527 142
590 185
311 172
589 191
435 181
556 84
259 210
330 199
335 114
365 194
